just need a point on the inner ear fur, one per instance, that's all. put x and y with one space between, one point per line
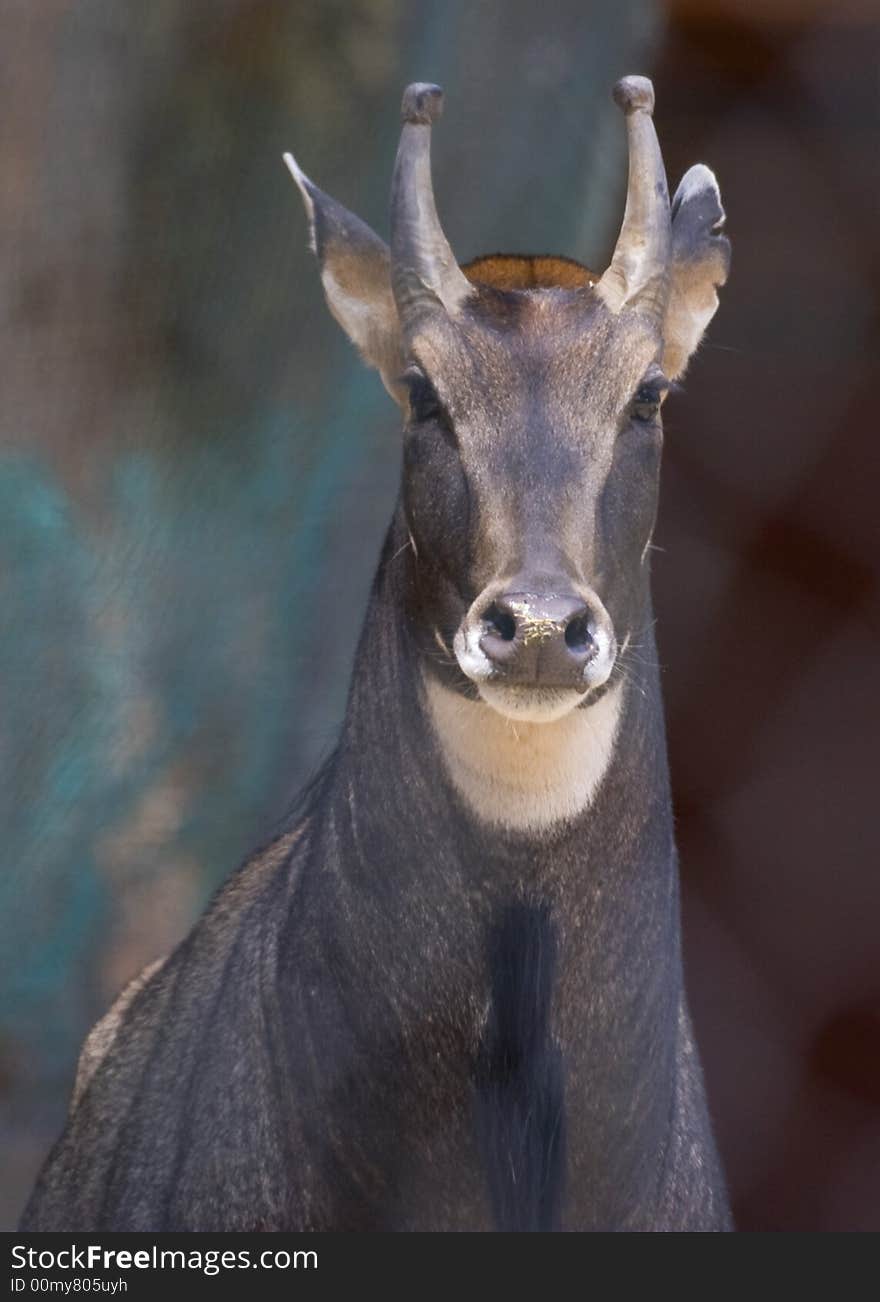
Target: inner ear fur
700 266
355 267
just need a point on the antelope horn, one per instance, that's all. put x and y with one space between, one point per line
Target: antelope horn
639 272
424 272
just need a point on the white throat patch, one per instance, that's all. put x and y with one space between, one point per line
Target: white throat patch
525 776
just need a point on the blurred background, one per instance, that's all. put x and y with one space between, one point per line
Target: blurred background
195 474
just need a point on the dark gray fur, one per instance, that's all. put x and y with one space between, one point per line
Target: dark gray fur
306 1059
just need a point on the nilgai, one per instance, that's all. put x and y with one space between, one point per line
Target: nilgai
450 995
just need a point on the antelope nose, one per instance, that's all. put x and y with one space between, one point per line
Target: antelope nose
531 638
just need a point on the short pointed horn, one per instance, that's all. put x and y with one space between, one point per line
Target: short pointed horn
424 272
639 272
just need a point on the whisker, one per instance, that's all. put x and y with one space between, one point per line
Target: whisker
409 543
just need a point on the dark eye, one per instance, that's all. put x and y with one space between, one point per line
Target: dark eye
424 404
645 406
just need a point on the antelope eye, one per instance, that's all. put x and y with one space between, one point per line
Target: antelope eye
645 406
424 403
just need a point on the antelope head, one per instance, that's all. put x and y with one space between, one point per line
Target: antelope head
531 391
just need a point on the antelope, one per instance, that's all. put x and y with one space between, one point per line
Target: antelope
449 995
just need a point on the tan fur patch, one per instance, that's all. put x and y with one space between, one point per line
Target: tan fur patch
517 271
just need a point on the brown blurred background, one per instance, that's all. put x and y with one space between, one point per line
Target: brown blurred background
191 456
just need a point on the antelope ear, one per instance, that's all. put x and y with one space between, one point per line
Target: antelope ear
355 270
700 264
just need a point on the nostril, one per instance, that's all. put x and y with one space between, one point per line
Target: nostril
577 634
500 622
